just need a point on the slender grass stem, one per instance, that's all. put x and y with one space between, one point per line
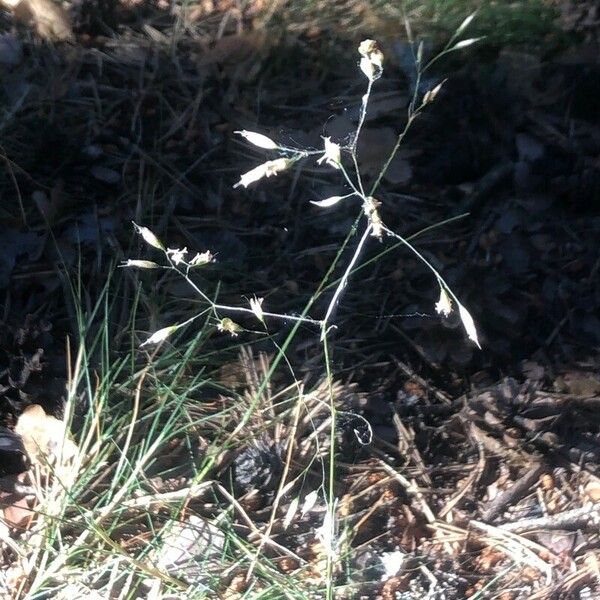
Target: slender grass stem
344 280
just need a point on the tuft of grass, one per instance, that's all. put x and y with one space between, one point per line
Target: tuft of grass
149 508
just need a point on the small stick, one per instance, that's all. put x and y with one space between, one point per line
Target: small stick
570 519
472 480
515 492
439 394
411 488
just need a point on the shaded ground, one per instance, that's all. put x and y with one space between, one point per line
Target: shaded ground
480 459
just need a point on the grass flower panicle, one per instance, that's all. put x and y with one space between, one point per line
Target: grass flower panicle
444 304
332 155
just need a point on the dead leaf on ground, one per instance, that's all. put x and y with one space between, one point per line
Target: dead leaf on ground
16 508
48 18
578 383
45 437
233 49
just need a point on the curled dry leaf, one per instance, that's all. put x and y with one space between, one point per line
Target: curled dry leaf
16 506
48 18
46 438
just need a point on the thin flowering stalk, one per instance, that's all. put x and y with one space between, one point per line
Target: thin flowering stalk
370 52
371 65
420 257
240 309
299 152
361 120
461 44
465 316
344 280
362 116
412 112
177 262
332 154
262 141
265 313
355 187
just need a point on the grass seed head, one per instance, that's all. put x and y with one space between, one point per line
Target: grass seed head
371 63
177 255
201 259
468 324
332 154
444 304
226 325
149 237
140 264
267 169
256 307
258 139
160 335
